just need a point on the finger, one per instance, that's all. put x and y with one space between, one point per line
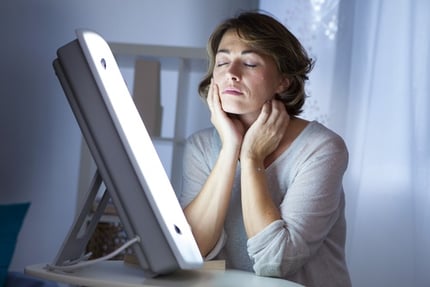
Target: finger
216 97
265 112
279 113
209 98
213 97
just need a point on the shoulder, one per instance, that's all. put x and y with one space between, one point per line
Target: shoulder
204 143
199 156
324 130
205 137
323 137
204 134
318 141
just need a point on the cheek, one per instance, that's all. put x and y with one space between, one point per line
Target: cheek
216 74
265 85
273 84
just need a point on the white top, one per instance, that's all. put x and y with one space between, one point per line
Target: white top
305 181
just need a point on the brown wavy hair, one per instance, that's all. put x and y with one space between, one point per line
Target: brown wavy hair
268 36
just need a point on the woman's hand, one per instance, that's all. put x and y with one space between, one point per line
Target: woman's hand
266 133
262 139
207 212
229 128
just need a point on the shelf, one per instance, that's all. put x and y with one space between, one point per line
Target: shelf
127 53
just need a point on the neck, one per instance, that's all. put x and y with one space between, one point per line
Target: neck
247 120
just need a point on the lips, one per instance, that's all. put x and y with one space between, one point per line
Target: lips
232 91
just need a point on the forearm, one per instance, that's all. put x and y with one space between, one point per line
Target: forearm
258 207
206 213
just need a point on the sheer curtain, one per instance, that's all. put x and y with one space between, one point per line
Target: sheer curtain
371 85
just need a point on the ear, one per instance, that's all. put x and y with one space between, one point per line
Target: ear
283 85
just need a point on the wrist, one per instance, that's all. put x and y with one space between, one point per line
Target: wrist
230 152
252 163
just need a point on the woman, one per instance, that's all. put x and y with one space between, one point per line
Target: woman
263 188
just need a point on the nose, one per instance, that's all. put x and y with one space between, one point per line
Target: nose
234 72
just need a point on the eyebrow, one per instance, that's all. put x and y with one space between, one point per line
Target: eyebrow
244 52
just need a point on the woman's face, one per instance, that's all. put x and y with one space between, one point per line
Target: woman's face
245 77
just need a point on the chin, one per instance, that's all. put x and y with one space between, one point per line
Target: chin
239 108
230 109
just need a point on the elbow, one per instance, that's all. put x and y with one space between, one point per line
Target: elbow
281 256
282 268
278 255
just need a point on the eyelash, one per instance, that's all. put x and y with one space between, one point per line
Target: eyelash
245 64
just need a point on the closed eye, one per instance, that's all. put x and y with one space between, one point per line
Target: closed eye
250 65
220 64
